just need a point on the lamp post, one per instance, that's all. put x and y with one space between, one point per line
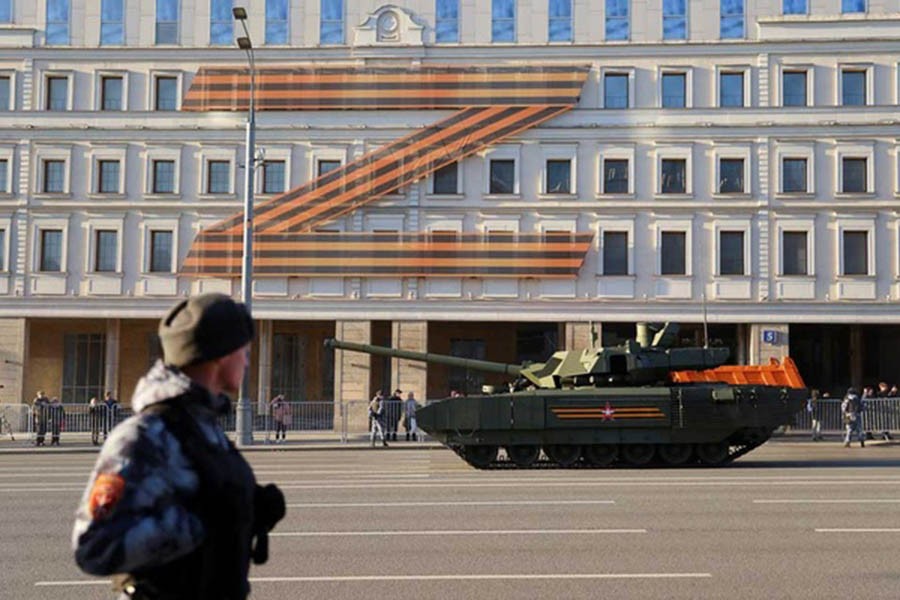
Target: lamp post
244 417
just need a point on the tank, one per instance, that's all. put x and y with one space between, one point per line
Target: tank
637 404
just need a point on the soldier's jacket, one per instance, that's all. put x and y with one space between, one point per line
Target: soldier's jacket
134 513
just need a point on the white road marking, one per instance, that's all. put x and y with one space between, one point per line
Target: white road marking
859 530
832 501
455 532
458 577
472 503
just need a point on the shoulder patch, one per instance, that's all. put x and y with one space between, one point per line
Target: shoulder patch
106 492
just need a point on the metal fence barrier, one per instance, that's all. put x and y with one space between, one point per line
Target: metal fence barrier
880 415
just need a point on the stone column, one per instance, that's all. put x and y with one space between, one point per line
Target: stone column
111 373
264 368
768 341
351 374
578 335
13 344
409 375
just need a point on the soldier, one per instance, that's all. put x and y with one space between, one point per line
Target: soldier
392 411
94 417
56 417
409 416
851 409
39 415
110 413
172 509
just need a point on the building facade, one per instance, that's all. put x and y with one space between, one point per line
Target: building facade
736 162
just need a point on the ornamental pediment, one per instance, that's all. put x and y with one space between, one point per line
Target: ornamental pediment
390 25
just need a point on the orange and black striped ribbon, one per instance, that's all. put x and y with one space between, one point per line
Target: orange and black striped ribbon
495 104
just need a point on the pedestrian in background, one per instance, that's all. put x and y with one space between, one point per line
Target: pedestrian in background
172 509
409 417
110 413
281 414
39 416
94 417
815 416
376 418
56 414
851 408
393 409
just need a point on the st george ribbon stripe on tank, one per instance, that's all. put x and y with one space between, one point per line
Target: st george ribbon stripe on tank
493 103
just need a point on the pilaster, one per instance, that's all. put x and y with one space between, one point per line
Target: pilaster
111 371
352 373
408 375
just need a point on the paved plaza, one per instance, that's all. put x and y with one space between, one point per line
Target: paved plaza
791 520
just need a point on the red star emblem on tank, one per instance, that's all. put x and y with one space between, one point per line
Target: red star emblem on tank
608 413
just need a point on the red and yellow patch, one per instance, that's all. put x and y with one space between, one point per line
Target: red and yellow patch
105 494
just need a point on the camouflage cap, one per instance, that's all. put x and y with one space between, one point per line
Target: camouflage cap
204 328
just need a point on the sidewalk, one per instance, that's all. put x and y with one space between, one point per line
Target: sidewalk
313 440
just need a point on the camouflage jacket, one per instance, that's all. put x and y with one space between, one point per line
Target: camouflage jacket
134 513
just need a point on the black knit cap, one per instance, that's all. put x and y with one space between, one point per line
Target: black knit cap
204 328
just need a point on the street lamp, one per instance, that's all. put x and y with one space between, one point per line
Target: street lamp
244 417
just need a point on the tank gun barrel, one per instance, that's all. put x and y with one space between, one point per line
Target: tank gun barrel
427 357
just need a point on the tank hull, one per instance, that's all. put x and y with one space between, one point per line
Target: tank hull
675 425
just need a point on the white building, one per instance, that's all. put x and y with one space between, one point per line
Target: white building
734 159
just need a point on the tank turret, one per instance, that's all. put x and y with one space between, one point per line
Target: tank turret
636 362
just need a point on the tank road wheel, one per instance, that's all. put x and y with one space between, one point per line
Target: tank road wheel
565 455
638 455
523 456
712 454
675 454
601 455
479 457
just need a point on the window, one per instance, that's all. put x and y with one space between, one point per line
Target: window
503 176
446 22
731 19
163 177
326 166
273 176
54 177
57 22
331 25
51 250
731 253
112 23
731 176
674 90
794 253
111 93
4 175
106 249
853 6
856 253
731 89
276 21
160 251
218 177
674 19
615 176
446 179
3 250
108 176
793 7
615 90
6 93
560 26
503 20
793 175
615 253
84 362
617 27
5 11
853 87
672 253
794 88
853 171
167 21
559 177
166 96
673 179
221 26
57 92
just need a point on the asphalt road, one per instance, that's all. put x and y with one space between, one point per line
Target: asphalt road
791 520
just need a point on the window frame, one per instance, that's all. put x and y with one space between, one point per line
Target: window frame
342 21
44 178
211 159
674 153
148 225
286 21
55 75
804 12
157 22
99 91
808 71
571 23
742 152
154 154
869 84
514 20
614 152
153 101
798 225
96 234
104 22
687 72
685 16
151 232
855 150
796 151
723 16
7 154
48 23
851 225
438 19
213 22
608 20
684 226
98 184
745 72
733 226
432 180
507 152
11 102
558 152
629 74
40 250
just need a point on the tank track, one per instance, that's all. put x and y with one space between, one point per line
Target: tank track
735 451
